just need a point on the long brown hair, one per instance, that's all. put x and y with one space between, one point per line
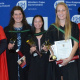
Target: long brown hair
67 22
11 22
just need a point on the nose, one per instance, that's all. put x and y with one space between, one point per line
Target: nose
61 11
37 22
18 15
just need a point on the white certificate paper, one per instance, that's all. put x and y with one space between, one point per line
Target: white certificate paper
62 49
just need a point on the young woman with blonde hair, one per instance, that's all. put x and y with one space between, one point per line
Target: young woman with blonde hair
64 29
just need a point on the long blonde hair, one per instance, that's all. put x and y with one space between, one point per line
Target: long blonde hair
67 22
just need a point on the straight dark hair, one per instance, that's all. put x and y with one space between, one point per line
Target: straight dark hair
33 28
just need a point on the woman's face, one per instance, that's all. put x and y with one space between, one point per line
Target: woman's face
38 23
61 12
17 16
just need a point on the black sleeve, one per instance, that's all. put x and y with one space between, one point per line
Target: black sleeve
6 30
75 31
50 34
3 45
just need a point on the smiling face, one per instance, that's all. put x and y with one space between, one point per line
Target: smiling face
17 16
61 12
38 23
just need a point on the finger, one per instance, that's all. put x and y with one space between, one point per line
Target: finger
50 60
13 44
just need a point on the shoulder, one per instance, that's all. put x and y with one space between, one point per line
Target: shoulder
52 27
2 34
79 25
73 24
27 26
44 32
7 28
1 27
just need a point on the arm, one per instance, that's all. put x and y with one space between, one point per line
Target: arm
75 47
49 34
3 41
66 61
75 34
3 45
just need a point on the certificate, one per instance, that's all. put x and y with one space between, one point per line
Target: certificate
62 49
22 62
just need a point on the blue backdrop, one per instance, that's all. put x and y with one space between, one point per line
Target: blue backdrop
46 8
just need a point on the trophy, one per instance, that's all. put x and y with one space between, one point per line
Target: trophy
48 46
32 43
53 57
13 40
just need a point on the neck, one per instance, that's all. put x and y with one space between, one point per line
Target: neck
38 30
18 25
62 23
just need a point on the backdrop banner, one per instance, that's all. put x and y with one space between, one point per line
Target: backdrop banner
46 8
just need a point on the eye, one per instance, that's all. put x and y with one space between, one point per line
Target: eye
35 21
63 10
58 10
20 13
15 14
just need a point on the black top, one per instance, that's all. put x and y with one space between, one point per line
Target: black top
68 71
55 35
3 45
38 65
12 56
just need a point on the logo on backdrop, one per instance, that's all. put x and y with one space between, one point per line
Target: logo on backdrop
29 20
57 3
4 4
76 19
22 3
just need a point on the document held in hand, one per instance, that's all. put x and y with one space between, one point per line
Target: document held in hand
62 49
22 60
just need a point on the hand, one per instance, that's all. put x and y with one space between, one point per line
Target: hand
10 46
51 59
65 61
32 49
22 60
45 48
